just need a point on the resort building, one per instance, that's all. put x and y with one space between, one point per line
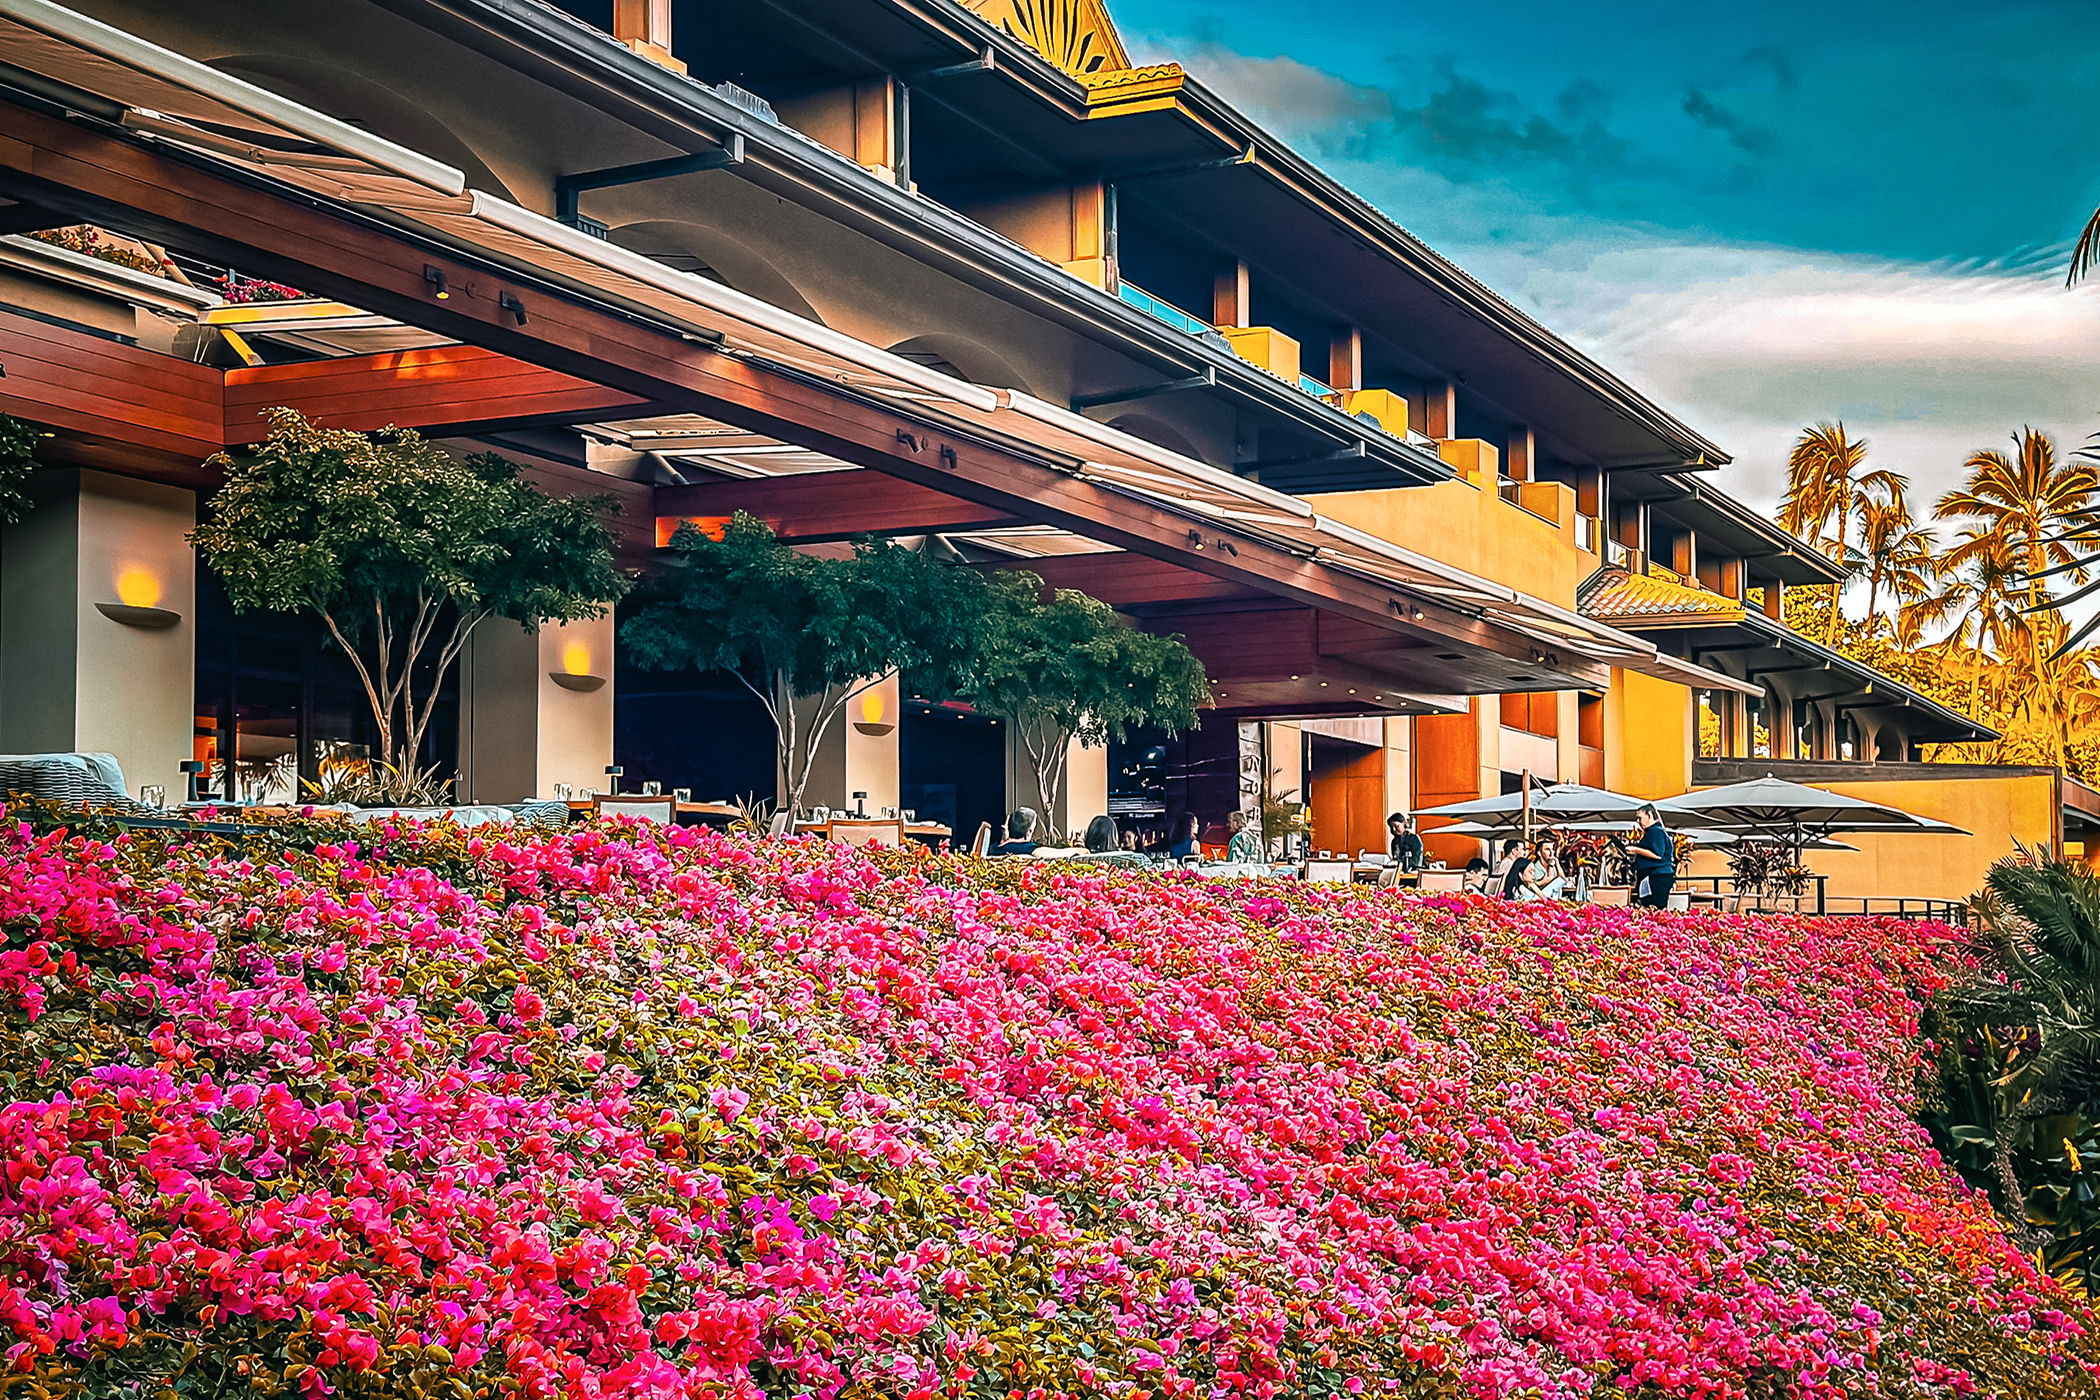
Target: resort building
898 267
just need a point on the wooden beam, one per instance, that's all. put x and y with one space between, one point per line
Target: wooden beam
1134 582
91 174
815 506
103 392
458 387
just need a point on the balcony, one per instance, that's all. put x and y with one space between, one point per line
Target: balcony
1163 311
1258 345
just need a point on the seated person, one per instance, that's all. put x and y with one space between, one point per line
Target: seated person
1513 883
1245 847
1182 841
1546 879
1478 875
1102 836
1020 835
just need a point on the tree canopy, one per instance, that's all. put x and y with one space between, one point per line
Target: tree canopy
1068 667
17 461
805 633
402 549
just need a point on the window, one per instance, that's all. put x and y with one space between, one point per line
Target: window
1757 724
1712 732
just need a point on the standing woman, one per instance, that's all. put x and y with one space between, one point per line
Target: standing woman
1403 845
1654 860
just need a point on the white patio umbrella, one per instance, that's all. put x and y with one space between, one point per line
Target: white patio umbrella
1697 835
1555 804
1793 813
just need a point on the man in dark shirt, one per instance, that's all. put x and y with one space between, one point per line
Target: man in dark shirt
1654 860
1404 846
1020 835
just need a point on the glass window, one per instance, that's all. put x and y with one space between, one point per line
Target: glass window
1711 730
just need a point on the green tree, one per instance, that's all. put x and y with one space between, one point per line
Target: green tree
2017 1072
803 633
1070 668
1896 553
402 549
17 461
1823 482
1977 586
2035 503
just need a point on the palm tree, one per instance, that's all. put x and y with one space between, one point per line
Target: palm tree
1979 584
2034 503
1819 484
1896 552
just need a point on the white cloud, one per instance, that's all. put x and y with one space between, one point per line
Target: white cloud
1929 362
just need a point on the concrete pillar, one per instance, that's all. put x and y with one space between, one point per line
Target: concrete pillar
74 677
1399 763
1521 460
1086 788
1231 296
536 709
645 27
860 753
1440 409
858 121
1345 360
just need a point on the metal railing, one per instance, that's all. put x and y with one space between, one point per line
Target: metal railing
1821 901
1160 310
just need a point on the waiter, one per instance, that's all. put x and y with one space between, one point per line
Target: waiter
1402 844
1654 860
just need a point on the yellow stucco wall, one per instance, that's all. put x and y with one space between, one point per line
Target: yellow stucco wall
1471 527
1647 736
1997 810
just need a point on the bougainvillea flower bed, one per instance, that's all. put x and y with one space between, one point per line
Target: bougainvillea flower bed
628 1111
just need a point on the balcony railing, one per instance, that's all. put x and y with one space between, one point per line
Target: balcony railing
1167 313
1159 310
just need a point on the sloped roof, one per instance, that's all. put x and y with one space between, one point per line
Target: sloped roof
1633 600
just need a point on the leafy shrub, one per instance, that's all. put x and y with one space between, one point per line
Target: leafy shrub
638 1111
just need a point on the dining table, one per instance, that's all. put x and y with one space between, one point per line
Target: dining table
922 831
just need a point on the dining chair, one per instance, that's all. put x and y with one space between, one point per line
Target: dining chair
868 831
1441 882
662 809
982 844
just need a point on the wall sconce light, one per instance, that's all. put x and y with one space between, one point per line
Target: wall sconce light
138 599
575 673
509 302
435 277
871 721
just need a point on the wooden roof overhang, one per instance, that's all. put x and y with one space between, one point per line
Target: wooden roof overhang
93 169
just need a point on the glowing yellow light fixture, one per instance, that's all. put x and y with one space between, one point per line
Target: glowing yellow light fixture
871 721
138 588
138 600
575 673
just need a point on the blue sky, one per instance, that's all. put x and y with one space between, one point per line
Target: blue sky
1760 215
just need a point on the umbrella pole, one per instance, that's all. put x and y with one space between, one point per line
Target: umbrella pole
1527 806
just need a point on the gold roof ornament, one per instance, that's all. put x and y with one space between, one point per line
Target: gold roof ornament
1076 35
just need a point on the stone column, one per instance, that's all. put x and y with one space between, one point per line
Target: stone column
536 709
98 636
